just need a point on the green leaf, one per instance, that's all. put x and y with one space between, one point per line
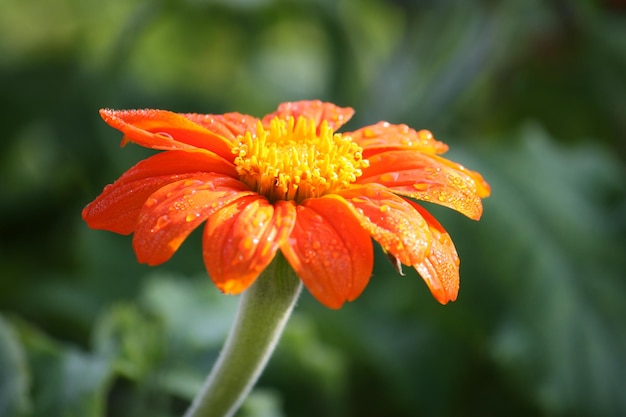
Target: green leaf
261 403
131 339
193 311
321 380
14 378
196 319
549 254
66 382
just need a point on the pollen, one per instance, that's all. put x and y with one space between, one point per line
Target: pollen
294 160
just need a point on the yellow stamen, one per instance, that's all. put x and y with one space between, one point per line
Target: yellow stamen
291 161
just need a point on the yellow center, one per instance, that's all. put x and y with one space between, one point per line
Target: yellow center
293 161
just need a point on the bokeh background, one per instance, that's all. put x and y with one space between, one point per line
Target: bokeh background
530 93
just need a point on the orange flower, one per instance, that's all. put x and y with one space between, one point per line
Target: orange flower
289 182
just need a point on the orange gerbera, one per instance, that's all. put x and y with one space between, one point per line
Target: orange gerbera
289 182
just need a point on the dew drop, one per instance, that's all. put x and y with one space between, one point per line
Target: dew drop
191 217
316 218
369 133
425 134
247 243
165 135
421 186
160 223
316 245
385 208
389 176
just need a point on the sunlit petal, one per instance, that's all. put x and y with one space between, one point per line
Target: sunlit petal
319 111
171 213
228 125
329 250
165 130
391 221
429 178
440 269
241 239
384 136
117 208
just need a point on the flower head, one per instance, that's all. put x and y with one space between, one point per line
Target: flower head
289 182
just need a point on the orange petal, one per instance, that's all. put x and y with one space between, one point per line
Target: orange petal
317 110
429 178
241 239
171 213
391 221
117 208
227 125
165 130
384 136
482 187
440 269
330 251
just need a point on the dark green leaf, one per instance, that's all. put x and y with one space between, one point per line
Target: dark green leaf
14 378
65 381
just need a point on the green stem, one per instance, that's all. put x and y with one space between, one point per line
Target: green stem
264 309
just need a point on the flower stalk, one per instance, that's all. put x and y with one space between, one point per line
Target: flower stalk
263 312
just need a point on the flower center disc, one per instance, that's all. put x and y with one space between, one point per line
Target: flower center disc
293 161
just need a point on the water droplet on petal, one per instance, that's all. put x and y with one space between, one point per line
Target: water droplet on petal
369 133
161 223
389 176
247 243
316 218
165 135
385 208
425 134
421 186
192 216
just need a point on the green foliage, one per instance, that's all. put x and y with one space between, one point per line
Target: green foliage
529 93
559 332
49 377
14 378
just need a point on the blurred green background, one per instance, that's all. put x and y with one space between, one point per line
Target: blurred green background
530 93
